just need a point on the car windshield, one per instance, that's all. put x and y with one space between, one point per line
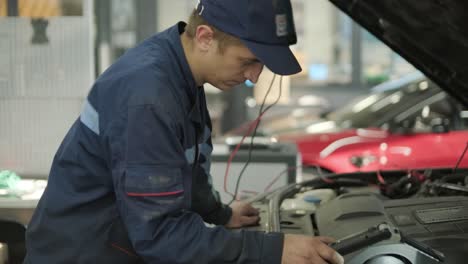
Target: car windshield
378 108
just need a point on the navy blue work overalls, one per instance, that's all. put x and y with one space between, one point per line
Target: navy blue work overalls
130 182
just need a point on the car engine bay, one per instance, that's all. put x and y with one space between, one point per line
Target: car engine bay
391 217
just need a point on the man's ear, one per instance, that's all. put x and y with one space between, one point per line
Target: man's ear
204 37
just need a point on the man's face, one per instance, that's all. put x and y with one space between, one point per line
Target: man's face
232 66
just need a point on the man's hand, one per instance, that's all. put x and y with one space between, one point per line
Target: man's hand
309 250
243 214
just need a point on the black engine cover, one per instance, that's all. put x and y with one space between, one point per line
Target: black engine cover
440 222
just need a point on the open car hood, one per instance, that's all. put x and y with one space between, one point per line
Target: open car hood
432 35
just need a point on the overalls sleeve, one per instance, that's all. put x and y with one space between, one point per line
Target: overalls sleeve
206 200
150 180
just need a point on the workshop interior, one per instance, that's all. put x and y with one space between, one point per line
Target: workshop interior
367 144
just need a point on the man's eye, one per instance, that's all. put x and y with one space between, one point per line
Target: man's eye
248 63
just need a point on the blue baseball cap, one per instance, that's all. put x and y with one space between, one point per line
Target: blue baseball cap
266 27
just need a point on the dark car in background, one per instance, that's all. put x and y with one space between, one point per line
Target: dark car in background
301 120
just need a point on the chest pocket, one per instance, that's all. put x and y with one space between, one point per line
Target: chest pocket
151 193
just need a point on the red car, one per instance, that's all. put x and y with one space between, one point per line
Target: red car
413 126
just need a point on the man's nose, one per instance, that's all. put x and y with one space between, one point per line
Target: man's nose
253 72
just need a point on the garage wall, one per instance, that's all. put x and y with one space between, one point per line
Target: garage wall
42 87
170 12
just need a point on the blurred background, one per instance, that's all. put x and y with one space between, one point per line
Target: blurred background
51 51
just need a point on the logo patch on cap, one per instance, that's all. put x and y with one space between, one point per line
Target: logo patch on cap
200 8
281 25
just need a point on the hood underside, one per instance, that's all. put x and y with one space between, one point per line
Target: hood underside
432 35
